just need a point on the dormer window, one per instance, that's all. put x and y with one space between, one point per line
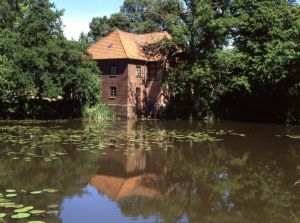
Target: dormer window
113 70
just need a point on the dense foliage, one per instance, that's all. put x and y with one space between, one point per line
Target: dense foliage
139 16
237 59
241 57
40 68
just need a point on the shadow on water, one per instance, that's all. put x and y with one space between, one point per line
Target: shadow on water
154 171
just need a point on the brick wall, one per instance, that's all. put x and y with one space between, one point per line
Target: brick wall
126 82
135 82
119 103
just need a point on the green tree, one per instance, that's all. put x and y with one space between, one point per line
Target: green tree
40 23
59 67
268 33
8 12
37 61
15 85
237 46
99 27
138 17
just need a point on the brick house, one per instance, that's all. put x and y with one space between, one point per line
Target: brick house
131 79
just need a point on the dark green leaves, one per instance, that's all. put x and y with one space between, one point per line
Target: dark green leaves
39 65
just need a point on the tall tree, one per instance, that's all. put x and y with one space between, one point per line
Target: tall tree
139 14
37 61
139 17
15 85
268 33
40 23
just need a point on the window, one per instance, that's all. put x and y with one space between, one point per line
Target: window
113 70
113 92
138 71
138 92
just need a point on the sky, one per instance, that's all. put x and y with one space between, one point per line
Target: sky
79 13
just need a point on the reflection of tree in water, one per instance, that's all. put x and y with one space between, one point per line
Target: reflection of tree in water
68 174
224 182
236 180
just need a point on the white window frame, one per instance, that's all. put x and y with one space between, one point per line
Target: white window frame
111 90
138 71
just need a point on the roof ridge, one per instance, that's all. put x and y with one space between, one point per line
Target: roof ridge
142 34
118 31
122 31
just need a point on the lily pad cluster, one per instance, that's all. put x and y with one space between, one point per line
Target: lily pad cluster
49 144
10 208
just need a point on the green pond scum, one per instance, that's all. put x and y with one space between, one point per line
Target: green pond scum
148 171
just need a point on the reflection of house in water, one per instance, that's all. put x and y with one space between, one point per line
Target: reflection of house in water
134 173
125 175
118 188
136 162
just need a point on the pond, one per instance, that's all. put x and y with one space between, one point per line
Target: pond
148 171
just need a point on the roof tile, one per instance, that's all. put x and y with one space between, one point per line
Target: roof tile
124 45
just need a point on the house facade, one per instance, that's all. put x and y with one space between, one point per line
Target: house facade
131 79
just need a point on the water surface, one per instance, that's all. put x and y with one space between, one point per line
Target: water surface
151 171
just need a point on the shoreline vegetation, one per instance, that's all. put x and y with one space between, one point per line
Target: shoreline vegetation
99 113
238 60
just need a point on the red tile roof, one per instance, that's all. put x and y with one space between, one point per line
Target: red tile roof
124 45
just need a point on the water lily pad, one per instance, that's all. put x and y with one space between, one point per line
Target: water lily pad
7 205
36 192
11 191
3 200
53 212
11 195
28 208
61 154
238 134
52 206
20 216
23 210
37 212
50 190
36 222
2 215
293 136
